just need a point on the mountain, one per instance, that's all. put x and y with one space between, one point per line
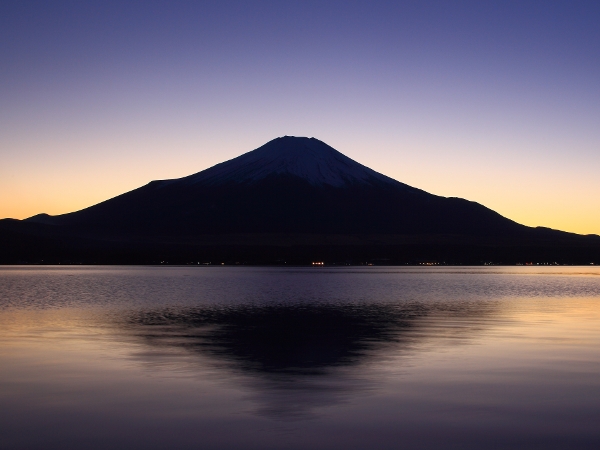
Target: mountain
294 198
289 185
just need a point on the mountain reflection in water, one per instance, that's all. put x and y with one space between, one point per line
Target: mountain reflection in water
293 356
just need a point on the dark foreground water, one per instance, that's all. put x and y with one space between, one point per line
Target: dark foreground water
299 358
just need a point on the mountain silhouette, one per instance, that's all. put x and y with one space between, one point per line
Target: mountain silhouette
290 184
284 200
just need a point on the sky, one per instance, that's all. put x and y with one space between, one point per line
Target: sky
497 102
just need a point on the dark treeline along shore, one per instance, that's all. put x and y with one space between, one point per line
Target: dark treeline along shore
294 200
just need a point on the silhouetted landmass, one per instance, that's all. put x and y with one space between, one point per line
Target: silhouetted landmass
293 201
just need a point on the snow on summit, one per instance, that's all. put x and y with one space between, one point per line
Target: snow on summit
307 158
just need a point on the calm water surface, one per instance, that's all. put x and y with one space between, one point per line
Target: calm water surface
299 358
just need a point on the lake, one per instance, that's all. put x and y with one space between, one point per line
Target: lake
299 358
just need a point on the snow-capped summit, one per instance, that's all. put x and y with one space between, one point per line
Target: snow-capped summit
307 158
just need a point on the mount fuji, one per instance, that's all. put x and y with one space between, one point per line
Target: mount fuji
296 199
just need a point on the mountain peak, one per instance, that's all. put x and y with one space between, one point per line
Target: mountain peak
307 158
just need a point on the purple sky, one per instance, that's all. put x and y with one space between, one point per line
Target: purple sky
496 102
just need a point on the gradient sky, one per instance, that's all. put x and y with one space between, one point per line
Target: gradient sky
496 102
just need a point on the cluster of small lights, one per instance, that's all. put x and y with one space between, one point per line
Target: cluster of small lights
539 264
318 263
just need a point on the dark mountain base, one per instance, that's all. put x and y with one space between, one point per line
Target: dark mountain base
22 243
